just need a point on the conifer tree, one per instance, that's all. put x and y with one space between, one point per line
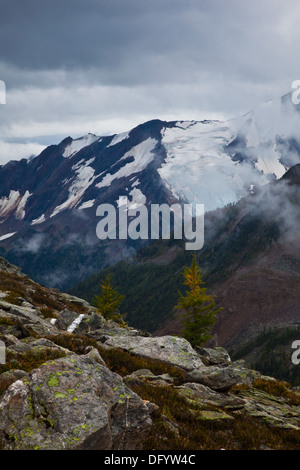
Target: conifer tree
199 307
109 301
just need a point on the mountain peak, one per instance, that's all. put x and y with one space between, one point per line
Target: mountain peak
77 144
208 162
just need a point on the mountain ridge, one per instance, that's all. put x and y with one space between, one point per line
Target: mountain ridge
48 204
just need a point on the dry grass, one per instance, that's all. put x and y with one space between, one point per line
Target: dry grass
279 389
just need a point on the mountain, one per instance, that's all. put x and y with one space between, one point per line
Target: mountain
48 203
72 380
250 262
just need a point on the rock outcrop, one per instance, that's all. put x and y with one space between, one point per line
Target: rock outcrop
171 349
73 403
73 380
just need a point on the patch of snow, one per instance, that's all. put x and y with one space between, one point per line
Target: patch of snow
138 198
135 183
39 220
261 129
195 154
122 201
185 124
75 323
85 177
87 204
7 235
142 154
7 204
20 212
81 163
268 162
66 181
77 144
118 138
14 202
198 167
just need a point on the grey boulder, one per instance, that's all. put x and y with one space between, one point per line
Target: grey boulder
72 403
169 349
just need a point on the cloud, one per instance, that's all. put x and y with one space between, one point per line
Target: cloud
33 244
279 203
17 151
104 66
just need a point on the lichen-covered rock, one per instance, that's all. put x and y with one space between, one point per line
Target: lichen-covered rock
204 396
170 349
213 416
72 403
214 356
80 323
92 324
65 318
145 375
29 319
34 345
10 268
221 378
272 410
9 377
94 354
76 300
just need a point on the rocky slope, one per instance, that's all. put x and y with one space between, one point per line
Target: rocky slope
72 380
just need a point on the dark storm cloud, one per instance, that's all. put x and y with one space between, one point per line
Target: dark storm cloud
88 33
102 66
141 41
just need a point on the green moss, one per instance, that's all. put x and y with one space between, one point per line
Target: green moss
60 395
53 381
212 415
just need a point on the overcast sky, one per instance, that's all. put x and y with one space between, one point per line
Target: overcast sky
104 66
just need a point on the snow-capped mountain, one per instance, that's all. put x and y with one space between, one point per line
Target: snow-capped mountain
219 162
48 203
